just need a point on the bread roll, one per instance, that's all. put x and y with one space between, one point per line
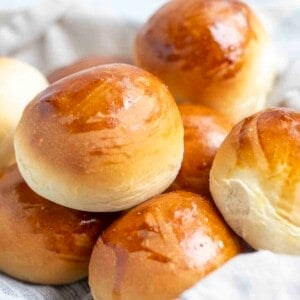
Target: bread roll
214 53
255 180
82 64
42 242
160 248
19 83
104 139
204 131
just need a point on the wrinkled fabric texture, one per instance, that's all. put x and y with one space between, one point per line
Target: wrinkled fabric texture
56 32
11 289
259 275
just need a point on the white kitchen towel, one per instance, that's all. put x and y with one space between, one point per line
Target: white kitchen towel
257 276
11 289
56 32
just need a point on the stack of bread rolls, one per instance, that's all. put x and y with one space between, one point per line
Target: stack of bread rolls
117 179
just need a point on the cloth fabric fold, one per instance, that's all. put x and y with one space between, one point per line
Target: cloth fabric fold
258 275
55 33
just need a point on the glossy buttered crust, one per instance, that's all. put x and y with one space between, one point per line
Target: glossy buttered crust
160 248
104 139
19 84
204 131
82 64
255 180
42 242
213 52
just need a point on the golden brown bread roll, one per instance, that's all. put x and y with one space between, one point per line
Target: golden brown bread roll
255 180
204 131
160 248
104 139
19 83
42 242
213 52
82 64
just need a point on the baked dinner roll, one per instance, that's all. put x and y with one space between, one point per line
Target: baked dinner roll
160 248
42 242
204 131
104 139
19 83
82 64
255 180
214 52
